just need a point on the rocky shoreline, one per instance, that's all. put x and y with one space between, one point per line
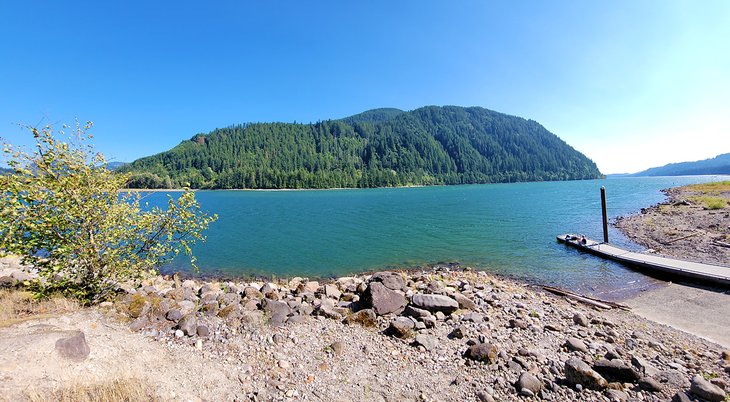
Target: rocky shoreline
682 227
444 333
434 334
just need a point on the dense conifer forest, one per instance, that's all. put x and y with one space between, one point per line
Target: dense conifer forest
377 148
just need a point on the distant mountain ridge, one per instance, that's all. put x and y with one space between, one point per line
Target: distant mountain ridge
717 165
376 148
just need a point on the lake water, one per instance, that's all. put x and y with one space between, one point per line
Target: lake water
503 228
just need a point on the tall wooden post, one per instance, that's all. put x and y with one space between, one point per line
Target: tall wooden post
605 216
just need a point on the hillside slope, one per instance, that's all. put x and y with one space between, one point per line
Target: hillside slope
384 147
717 165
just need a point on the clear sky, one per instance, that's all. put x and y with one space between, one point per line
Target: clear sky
631 84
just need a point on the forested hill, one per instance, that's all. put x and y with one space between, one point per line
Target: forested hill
717 165
382 147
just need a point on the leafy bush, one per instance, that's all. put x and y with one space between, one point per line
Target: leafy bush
64 212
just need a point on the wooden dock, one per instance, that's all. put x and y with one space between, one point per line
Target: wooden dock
716 274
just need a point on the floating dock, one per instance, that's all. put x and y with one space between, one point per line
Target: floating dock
715 274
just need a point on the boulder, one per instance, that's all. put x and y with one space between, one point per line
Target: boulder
188 325
434 303
383 300
202 331
579 372
483 352
278 311
401 327
74 347
429 342
529 382
366 318
174 315
706 390
615 395
575 344
331 291
465 303
650 384
616 370
310 287
644 366
580 319
390 280
251 292
415 312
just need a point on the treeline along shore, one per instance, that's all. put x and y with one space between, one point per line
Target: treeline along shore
377 148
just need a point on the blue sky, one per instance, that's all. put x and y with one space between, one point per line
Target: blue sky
632 84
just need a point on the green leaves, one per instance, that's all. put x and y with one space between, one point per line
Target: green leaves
64 212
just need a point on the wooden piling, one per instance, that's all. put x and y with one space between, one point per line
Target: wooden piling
605 216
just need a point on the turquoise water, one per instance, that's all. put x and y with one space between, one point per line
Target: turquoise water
504 228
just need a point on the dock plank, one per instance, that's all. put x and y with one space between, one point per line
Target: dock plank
706 272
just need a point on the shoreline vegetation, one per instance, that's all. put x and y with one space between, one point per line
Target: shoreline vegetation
439 333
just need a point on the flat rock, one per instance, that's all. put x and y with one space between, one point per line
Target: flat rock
649 384
366 318
383 300
434 303
465 303
429 342
390 280
484 352
704 389
74 347
579 372
575 344
332 291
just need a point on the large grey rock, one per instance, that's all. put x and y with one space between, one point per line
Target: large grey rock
415 312
278 311
530 382
484 352
383 300
429 342
465 303
390 280
616 370
434 303
74 347
644 366
579 372
188 325
575 344
252 293
681 397
174 315
649 384
615 395
401 327
704 389
580 319
331 290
